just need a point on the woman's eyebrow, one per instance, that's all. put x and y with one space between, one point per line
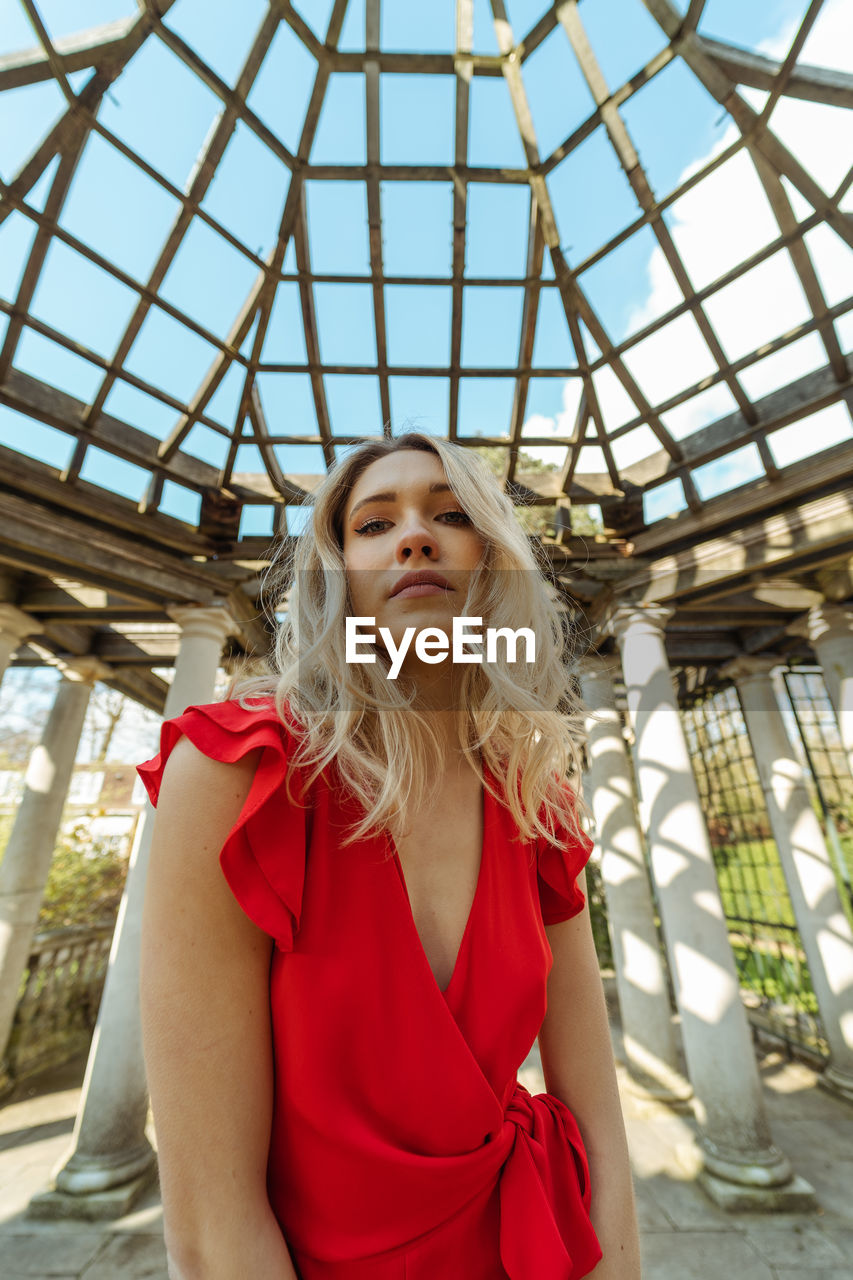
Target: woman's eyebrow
438 487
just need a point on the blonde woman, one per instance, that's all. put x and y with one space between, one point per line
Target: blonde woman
363 907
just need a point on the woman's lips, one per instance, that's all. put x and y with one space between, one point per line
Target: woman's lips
421 589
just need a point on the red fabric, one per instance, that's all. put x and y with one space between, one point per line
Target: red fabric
403 1145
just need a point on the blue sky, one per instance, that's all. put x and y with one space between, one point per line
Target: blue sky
160 109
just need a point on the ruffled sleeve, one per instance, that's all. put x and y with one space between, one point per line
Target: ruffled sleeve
263 857
558 867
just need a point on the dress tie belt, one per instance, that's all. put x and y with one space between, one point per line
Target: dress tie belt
545 1232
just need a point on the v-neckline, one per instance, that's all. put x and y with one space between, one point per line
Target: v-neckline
486 813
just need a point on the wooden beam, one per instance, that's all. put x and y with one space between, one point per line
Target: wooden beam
463 68
49 226
574 303
829 472
629 161
693 16
692 649
311 330
234 99
78 548
806 395
812 84
527 338
822 528
143 687
30 478
86 104
154 648
801 258
90 48
66 169
29 396
723 88
264 297
212 152
372 23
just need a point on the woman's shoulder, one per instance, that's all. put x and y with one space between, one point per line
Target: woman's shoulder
221 733
225 787
235 726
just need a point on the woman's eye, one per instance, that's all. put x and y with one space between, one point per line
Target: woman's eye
367 527
374 526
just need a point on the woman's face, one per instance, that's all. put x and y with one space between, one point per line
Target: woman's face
402 518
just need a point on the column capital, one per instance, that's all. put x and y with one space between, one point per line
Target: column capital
86 670
16 623
210 622
830 622
747 667
651 618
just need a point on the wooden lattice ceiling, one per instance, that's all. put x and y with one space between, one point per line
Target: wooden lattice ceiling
87 561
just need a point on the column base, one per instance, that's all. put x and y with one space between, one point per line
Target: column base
680 1099
91 1206
836 1082
796 1196
650 1076
83 1174
95 1187
763 1169
667 1086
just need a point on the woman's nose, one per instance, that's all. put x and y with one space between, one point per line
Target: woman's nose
415 536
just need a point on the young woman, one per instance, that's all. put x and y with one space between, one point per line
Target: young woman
363 906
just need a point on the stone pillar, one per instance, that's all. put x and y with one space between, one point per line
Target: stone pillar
111 1161
650 1045
830 631
742 1167
15 626
29 853
824 928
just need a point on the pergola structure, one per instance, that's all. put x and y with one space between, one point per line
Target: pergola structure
451 238
96 568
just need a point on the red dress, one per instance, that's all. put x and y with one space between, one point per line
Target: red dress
403 1146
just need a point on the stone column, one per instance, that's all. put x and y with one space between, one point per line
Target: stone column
742 1167
29 853
824 928
830 631
111 1161
650 1045
15 626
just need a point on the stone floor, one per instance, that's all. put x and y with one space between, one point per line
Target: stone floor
684 1235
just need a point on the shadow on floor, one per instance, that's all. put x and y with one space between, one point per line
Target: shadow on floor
684 1235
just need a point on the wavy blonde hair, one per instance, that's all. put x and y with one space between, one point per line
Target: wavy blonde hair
526 719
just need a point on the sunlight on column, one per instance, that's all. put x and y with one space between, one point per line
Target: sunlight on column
642 964
41 771
707 990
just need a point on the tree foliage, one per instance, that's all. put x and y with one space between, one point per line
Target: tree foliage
86 880
537 521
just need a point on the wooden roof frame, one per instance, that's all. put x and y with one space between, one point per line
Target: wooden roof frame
720 67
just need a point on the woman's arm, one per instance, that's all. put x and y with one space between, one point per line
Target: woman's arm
577 1062
206 1032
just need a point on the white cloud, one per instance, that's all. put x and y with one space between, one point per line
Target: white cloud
722 221
808 436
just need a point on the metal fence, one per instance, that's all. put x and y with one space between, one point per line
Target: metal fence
827 770
774 976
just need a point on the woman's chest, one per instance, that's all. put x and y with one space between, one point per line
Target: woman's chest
440 863
360 975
